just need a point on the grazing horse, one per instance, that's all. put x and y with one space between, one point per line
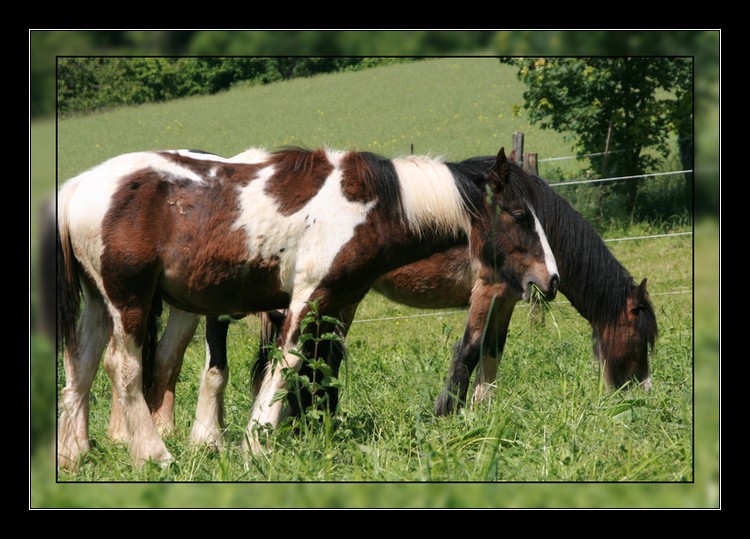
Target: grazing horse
211 236
598 286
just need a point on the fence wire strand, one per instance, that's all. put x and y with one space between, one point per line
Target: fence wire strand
442 313
617 178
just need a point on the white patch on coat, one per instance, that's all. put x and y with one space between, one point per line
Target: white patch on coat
431 198
203 156
307 241
251 156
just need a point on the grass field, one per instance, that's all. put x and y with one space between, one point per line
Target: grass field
550 419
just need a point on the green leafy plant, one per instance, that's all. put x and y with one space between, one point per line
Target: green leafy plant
318 333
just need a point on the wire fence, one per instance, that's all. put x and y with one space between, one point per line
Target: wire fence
670 235
617 178
521 305
596 154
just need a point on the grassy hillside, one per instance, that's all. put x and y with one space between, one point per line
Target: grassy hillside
457 107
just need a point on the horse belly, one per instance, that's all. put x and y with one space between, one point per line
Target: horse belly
226 289
441 281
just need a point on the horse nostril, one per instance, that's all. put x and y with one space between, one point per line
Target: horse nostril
553 285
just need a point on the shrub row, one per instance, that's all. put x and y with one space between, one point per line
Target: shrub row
88 84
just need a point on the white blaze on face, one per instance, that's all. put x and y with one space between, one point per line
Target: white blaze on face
307 241
549 258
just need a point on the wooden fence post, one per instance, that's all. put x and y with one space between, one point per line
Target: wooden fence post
530 163
518 146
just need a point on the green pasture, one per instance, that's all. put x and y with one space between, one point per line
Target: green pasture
551 429
457 108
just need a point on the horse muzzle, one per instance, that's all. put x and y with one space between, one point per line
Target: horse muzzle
548 288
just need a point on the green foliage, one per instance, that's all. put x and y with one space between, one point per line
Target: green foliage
615 106
316 331
87 84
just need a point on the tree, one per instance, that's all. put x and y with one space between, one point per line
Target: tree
623 105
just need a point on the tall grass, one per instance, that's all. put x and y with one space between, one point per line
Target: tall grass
550 419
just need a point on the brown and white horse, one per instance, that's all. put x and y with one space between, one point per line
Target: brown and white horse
597 285
212 237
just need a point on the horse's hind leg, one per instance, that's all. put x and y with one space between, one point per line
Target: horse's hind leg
209 416
123 357
81 360
170 353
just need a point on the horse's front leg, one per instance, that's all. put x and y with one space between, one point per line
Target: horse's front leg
267 406
269 402
483 319
209 416
493 345
333 352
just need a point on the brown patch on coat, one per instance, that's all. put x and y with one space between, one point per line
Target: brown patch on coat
357 178
131 233
179 237
444 280
298 177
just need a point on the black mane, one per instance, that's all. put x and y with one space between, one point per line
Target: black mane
470 172
594 281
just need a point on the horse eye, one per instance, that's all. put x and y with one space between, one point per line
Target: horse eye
519 216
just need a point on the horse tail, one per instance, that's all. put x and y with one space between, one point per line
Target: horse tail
68 282
150 340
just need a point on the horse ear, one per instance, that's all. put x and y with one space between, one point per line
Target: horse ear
639 295
501 171
512 156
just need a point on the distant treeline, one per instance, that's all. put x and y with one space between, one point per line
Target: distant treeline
86 84
49 47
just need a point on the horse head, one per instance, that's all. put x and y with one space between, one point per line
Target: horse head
515 247
623 345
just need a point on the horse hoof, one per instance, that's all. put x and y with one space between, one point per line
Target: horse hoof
212 438
160 456
446 404
67 462
252 445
